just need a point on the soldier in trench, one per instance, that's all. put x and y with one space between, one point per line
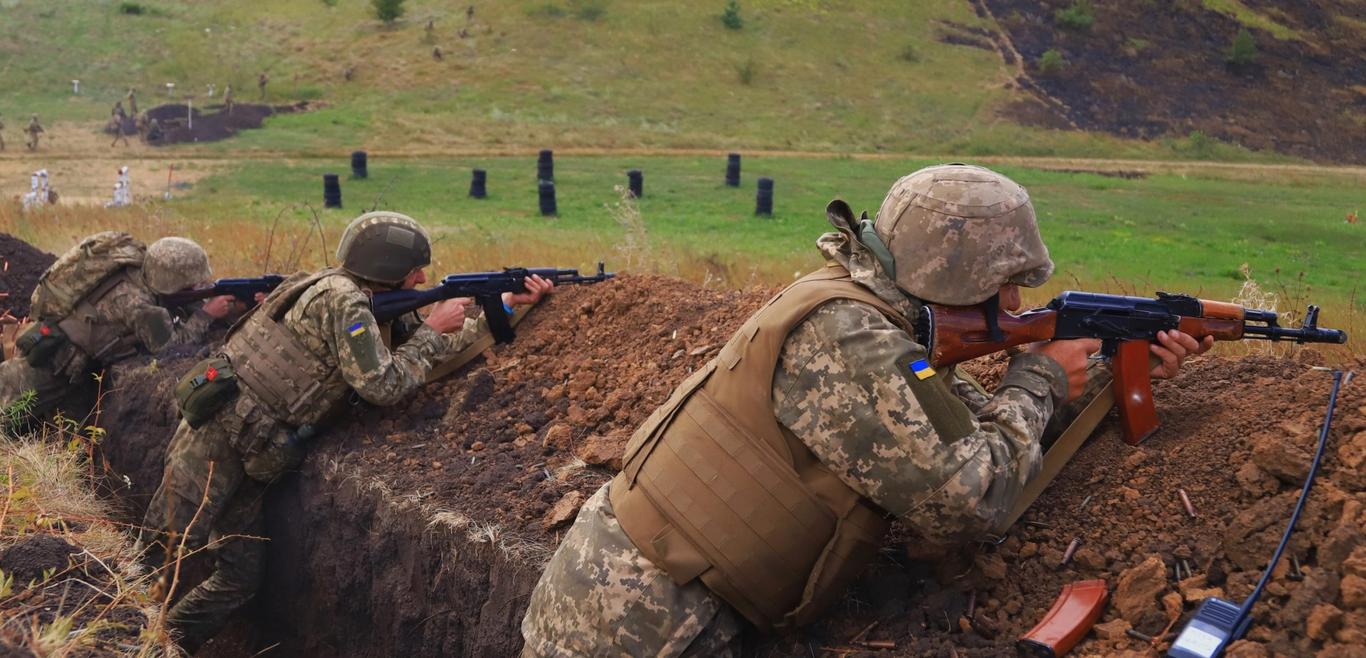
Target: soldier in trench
688 545
251 412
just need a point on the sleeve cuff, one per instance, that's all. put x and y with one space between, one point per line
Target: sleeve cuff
1040 375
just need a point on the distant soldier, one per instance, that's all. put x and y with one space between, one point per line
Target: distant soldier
436 53
34 130
469 13
118 118
2 133
132 103
349 72
431 28
227 99
153 130
261 84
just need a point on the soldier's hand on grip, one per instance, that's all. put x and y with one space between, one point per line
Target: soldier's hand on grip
218 307
447 316
1073 356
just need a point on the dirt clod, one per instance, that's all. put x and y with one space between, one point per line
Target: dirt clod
30 557
1137 591
20 266
563 512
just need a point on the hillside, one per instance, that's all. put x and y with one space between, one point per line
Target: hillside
862 75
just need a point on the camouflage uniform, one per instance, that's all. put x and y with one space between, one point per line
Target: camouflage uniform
228 461
841 387
34 129
132 307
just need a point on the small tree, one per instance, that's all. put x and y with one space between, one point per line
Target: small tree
1051 62
1076 17
731 16
1243 51
388 10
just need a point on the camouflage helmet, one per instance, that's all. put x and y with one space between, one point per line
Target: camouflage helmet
174 264
956 233
384 247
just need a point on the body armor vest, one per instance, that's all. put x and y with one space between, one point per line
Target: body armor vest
714 487
102 342
296 386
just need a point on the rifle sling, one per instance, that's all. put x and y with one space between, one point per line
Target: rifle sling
1061 452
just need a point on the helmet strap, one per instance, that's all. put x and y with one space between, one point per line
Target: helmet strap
868 237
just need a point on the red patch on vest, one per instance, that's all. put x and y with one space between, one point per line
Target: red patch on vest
45 330
211 374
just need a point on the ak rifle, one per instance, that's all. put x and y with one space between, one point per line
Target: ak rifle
1125 326
243 289
486 288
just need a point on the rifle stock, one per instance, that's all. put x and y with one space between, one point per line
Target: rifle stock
1126 327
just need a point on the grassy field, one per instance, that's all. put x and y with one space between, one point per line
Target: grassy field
1197 233
859 75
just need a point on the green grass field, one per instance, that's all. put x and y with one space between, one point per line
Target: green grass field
813 75
1167 232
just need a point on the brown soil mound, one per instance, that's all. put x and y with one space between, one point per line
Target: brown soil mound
419 529
212 126
1149 70
20 266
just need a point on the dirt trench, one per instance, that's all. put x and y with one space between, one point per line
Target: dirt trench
420 529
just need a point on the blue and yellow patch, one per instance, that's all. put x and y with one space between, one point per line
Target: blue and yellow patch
356 329
921 369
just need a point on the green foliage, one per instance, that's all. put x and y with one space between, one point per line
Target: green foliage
909 54
1243 51
1078 16
588 10
1051 62
131 8
547 10
330 3
1137 45
388 10
730 17
19 408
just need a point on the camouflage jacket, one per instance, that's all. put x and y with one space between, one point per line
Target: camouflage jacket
333 320
131 308
949 472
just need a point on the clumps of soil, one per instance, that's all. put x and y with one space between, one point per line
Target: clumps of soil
212 126
1146 72
20 266
54 579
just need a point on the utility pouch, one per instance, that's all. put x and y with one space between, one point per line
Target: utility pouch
204 390
40 343
284 451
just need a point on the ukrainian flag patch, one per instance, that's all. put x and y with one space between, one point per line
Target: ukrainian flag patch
356 329
921 369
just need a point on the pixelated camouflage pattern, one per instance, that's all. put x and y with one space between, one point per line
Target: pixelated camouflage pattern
842 388
204 466
600 597
174 264
958 233
384 246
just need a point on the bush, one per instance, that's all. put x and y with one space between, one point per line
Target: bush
1076 17
588 10
747 71
132 9
1243 51
731 16
1051 62
388 10
909 54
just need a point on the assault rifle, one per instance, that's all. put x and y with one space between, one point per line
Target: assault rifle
486 288
1125 326
243 289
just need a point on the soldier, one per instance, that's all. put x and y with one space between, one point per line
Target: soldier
2 133
132 103
297 359
118 119
153 130
34 129
100 304
707 526
261 84
227 98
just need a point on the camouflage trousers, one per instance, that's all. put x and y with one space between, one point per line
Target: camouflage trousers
208 500
54 392
600 597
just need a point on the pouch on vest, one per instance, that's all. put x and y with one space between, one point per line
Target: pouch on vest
282 452
40 343
205 389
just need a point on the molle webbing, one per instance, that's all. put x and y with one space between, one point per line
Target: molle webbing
271 362
714 487
103 342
